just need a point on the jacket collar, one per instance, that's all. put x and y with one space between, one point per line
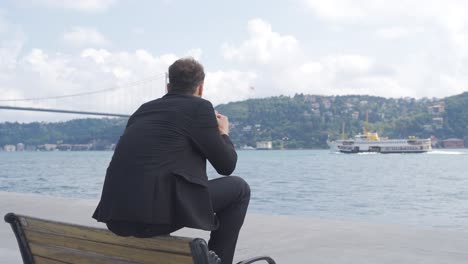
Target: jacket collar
173 94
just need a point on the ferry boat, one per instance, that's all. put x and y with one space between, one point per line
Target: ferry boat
370 142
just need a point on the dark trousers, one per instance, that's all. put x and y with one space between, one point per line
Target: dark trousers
230 198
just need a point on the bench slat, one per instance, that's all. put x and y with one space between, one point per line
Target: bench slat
63 255
127 253
162 243
41 260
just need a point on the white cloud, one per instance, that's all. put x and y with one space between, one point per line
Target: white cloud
393 32
80 36
338 9
339 74
360 10
453 85
229 86
263 47
9 50
137 76
282 68
3 22
12 41
276 73
138 31
448 14
79 5
98 56
194 53
349 64
429 60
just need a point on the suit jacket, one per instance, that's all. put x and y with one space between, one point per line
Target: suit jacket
157 174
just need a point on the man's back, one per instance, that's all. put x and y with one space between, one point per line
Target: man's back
156 182
158 135
158 172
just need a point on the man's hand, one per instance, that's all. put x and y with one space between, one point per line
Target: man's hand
223 123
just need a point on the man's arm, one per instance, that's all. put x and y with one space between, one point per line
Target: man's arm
214 145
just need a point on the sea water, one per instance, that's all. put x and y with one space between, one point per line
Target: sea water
427 190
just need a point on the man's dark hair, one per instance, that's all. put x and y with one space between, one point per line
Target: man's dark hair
185 75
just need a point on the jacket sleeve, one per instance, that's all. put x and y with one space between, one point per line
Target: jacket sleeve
217 148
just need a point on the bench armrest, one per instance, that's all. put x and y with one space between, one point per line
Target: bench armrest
23 243
255 259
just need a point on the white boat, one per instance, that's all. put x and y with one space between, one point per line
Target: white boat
245 147
370 142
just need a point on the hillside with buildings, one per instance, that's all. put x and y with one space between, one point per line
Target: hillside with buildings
78 134
306 121
301 121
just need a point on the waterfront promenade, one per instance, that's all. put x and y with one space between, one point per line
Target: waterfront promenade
290 240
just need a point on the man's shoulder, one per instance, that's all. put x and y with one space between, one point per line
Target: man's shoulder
188 100
203 102
178 103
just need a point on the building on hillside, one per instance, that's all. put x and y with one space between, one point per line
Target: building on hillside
47 147
81 147
64 147
427 127
453 143
436 109
326 103
315 105
434 141
20 147
264 145
30 148
9 148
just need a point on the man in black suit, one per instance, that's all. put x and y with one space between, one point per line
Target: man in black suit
156 182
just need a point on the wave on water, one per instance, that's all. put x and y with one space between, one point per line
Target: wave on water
445 152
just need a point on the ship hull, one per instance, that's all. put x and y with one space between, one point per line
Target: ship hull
381 146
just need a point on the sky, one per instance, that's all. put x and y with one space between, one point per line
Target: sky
250 49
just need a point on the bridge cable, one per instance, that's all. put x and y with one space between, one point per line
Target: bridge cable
133 84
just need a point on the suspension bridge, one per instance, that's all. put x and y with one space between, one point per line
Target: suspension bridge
115 101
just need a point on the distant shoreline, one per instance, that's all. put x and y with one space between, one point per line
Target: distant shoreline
237 149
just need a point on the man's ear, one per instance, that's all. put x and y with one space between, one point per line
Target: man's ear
168 88
199 91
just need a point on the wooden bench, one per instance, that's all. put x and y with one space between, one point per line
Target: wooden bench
49 242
